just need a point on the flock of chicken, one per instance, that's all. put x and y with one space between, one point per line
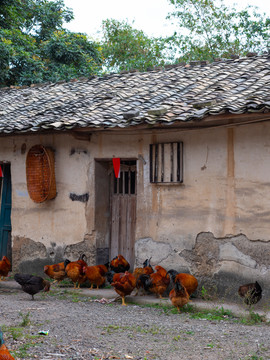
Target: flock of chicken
116 272
179 286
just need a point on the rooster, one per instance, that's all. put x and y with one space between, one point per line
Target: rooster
251 293
57 271
5 267
179 295
124 284
4 352
119 264
32 284
187 280
138 271
96 274
74 271
156 282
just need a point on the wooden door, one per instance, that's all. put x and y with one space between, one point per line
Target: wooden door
123 212
5 210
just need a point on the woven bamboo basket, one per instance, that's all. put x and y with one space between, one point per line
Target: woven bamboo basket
40 174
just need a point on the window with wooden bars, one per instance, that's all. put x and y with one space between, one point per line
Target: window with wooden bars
166 162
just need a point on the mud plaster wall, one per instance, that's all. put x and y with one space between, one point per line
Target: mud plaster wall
46 233
220 264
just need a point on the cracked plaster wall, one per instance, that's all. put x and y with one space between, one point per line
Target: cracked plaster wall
220 264
31 256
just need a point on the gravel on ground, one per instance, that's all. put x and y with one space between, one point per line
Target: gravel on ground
79 327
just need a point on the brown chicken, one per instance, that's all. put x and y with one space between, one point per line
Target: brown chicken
57 271
74 271
4 352
179 295
251 293
119 264
5 267
187 280
32 284
138 271
82 260
124 284
96 274
156 282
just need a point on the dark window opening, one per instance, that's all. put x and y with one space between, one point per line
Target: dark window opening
166 162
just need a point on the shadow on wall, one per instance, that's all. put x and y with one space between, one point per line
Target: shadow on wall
220 264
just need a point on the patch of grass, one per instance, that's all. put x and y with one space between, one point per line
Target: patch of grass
167 309
148 330
208 314
25 339
188 308
25 319
204 294
217 314
23 349
111 328
254 319
68 294
213 314
16 332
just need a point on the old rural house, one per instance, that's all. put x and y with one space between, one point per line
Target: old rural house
194 187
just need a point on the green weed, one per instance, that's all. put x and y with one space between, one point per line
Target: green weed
23 349
253 319
15 332
111 328
25 319
204 293
213 314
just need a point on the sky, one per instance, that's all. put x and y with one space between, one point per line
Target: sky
148 15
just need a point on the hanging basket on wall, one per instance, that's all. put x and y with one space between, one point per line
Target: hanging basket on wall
40 174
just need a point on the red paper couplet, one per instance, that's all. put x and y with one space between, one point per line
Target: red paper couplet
116 167
1 172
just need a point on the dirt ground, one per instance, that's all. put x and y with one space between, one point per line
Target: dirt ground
84 327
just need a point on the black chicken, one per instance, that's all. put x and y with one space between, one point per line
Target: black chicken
252 293
32 284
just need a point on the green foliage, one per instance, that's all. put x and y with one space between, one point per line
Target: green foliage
34 46
125 48
209 29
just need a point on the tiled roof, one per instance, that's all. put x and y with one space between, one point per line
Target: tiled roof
166 96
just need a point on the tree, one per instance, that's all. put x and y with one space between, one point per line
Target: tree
208 29
125 48
34 46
